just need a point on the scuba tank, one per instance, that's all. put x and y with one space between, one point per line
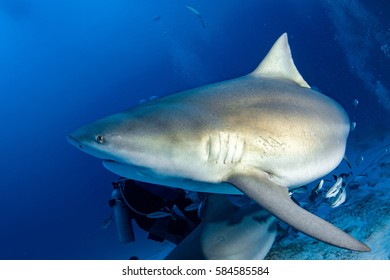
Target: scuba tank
122 218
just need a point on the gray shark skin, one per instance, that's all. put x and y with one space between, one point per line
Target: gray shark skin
229 233
260 134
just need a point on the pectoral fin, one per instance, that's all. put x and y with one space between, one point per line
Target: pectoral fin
275 199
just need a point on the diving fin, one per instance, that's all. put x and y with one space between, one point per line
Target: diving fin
275 199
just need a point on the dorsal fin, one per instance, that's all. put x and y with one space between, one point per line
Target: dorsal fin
278 63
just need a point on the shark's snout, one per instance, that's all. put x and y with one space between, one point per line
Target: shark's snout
72 140
89 143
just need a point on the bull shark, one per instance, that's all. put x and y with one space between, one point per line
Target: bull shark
260 134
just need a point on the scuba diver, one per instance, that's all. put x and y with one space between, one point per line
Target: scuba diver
165 213
202 226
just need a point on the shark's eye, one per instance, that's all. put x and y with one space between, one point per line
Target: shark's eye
100 139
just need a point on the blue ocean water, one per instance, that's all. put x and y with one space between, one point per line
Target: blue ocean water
66 63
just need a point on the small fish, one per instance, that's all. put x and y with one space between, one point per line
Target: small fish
153 97
177 211
340 199
192 9
319 186
192 206
196 12
355 102
296 201
158 215
347 161
335 189
315 192
105 222
202 208
353 126
195 199
240 200
192 195
359 160
359 178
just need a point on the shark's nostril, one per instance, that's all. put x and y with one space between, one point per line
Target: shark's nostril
74 142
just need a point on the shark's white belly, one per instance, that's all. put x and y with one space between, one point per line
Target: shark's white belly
143 175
